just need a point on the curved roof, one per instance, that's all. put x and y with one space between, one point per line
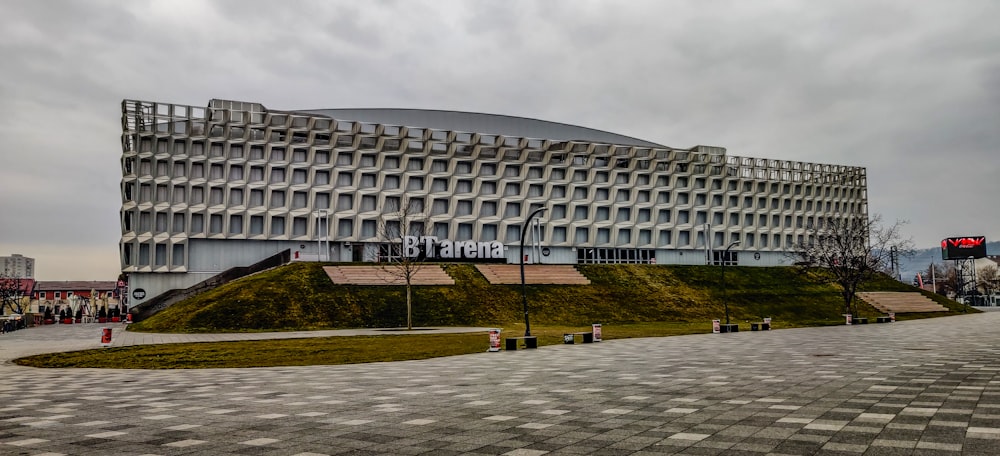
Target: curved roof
475 122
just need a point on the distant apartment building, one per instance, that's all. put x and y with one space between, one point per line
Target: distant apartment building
17 265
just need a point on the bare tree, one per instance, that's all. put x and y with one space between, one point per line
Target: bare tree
12 294
935 275
989 279
949 283
403 217
854 250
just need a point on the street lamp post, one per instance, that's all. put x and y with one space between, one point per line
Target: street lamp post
524 292
725 257
322 234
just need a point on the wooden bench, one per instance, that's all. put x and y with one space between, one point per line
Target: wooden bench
586 336
860 321
510 343
760 326
883 320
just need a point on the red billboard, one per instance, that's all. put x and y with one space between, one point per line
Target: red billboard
960 248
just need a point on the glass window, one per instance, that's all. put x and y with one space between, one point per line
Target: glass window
512 210
256 198
299 200
464 208
559 234
558 212
215 195
277 198
368 203
277 175
236 197
277 226
489 233
464 232
256 224
235 224
161 255
513 233
345 202
177 256
215 224
299 226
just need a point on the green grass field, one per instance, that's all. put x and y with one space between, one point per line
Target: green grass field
328 350
299 296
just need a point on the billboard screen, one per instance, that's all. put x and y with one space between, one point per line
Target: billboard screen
960 248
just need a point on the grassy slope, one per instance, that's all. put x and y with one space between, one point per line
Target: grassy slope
300 296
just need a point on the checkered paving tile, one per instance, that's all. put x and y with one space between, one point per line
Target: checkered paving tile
916 387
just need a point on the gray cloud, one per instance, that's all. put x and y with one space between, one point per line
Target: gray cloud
908 89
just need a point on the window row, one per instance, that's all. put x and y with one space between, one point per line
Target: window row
153 254
298 199
263 225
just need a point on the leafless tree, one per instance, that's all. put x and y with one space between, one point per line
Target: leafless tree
403 216
854 250
948 280
12 294
989 279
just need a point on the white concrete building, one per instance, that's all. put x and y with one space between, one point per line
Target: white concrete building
207 189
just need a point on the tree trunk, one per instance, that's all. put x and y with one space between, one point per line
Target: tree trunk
409 307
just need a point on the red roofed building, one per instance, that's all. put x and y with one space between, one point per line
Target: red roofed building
13 290
71 295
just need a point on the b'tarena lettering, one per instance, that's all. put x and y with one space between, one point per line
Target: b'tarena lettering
432 247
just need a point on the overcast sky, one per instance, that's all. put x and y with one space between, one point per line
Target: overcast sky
908 89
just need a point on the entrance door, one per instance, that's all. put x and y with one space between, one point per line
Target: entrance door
357 252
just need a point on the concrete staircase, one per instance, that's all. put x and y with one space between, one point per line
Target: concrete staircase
901 302
426 274
538 274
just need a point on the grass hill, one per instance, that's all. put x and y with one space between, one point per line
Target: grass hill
299 296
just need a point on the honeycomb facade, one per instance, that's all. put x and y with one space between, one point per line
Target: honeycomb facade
206 189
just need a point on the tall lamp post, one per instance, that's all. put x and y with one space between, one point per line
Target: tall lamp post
725 259
322 234
524 292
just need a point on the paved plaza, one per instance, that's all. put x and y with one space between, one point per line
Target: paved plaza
921 387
